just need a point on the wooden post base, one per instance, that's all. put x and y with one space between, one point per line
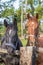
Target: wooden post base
26 55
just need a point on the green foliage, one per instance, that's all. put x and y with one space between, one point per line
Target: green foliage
34 6
19 29
30 2
7 12
2 30
24 42
6 4
18 12
41 27
39 10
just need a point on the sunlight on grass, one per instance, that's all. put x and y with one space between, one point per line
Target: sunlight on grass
2 64
24 42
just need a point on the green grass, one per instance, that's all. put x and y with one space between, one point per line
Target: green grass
2 64
24 42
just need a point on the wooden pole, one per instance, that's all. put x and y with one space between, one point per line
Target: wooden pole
26 6
3 51
26 55
22 19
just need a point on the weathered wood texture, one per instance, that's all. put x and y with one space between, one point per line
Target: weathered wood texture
3 51
40 50
26 55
